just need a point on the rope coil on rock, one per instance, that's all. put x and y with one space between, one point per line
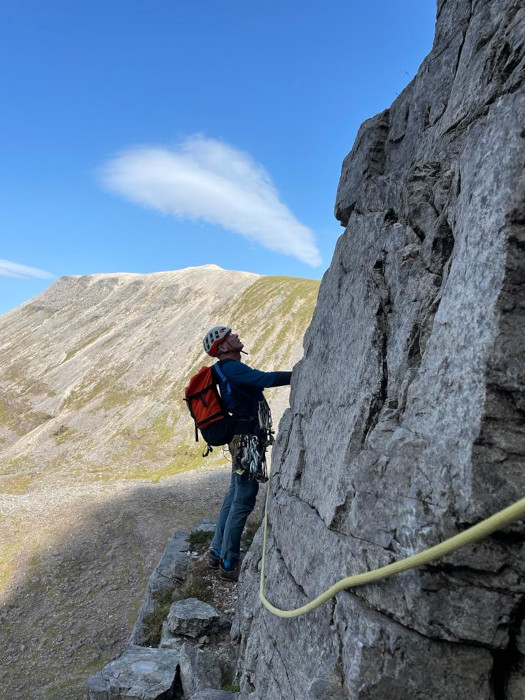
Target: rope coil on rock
477 532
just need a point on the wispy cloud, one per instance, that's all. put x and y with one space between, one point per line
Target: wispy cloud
208 179
22 272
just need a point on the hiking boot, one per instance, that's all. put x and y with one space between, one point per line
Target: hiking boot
213 560
231 574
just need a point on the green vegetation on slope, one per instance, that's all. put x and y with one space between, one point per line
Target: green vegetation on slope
274 312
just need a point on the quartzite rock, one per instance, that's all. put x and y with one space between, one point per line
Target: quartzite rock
148 674
168 640
171 571
191 617
406 422
199 670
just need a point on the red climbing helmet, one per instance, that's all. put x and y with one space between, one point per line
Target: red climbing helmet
213 338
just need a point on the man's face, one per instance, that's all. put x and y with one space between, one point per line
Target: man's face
233 342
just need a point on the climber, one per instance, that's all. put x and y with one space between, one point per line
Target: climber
242 391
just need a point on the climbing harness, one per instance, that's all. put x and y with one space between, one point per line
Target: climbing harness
473 534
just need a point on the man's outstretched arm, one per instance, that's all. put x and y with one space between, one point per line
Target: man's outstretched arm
239 373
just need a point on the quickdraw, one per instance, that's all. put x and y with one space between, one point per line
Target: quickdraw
248 454
265 423
249 451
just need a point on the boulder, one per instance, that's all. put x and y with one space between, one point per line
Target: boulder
192 617
168 640
139 674
199 670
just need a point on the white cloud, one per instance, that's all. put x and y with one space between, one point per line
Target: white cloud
208 179
23 272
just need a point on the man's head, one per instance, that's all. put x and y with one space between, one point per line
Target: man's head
219 341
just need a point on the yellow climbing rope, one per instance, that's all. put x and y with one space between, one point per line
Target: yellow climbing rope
473 534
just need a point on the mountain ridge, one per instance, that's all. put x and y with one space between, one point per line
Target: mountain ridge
97 448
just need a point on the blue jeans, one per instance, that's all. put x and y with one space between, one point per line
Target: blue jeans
237 506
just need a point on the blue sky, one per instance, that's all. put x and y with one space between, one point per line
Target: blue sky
143 136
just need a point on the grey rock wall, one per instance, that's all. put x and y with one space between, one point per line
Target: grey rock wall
170 573
406 422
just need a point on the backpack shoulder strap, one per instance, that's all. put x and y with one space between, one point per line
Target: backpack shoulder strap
217 369
228 383
225 382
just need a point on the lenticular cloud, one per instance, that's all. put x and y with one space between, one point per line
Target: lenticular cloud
208 179
22 272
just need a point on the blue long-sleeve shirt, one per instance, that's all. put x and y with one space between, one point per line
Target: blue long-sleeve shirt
244 390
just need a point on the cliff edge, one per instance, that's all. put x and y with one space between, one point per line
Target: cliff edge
406 422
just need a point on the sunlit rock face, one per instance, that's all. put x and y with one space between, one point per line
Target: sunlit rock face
407 412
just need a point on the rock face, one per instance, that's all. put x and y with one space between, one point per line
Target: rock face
407 412
170 572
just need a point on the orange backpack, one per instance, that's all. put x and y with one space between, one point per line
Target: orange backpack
207 409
